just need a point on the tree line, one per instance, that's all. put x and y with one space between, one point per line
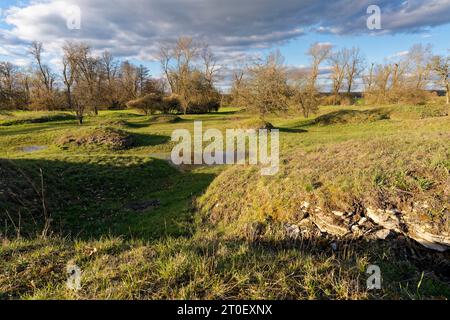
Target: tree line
90 82
269 85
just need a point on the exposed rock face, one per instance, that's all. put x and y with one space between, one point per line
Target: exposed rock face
388 219
374 223
329 224
435 242
383 234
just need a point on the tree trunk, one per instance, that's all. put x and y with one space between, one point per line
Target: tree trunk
448 94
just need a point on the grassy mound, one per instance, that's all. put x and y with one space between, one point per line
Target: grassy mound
42 118
255 124
419 112
402 173
352 117
114 139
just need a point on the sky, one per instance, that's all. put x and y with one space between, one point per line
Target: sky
235 29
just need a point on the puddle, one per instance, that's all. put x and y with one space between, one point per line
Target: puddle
33 148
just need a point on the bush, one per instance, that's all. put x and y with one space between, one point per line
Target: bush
149 104
172 103
203 105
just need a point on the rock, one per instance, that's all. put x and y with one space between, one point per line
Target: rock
305 205
362 221
328 224
338 213
383 234
350 214
431 241
385 218
292 231
430 245
356 230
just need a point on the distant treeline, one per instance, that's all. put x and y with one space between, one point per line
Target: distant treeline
90 82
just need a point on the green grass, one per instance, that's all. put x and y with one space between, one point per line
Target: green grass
186 246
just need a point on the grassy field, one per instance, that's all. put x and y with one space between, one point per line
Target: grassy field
140 228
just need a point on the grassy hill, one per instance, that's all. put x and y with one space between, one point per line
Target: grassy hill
140 228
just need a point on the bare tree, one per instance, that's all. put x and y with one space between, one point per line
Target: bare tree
10 89
354 67
419 57
44 80
338 61
110 68
368 79
89 69
238 85
190 72
47 79
266 90
303 96
71 77
209 63
441 66
165 57
318 53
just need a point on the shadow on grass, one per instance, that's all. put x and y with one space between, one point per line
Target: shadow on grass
41 119
147 140
26 129
310 268
91 198
292 130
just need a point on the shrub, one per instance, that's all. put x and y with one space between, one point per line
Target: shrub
172 103
149 104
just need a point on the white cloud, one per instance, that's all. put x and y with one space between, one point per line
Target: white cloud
133 28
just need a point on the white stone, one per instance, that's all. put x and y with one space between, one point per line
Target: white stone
362 221
305 205
383 234
338 213
292 230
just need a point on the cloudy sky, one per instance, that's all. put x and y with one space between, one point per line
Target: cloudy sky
133 29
